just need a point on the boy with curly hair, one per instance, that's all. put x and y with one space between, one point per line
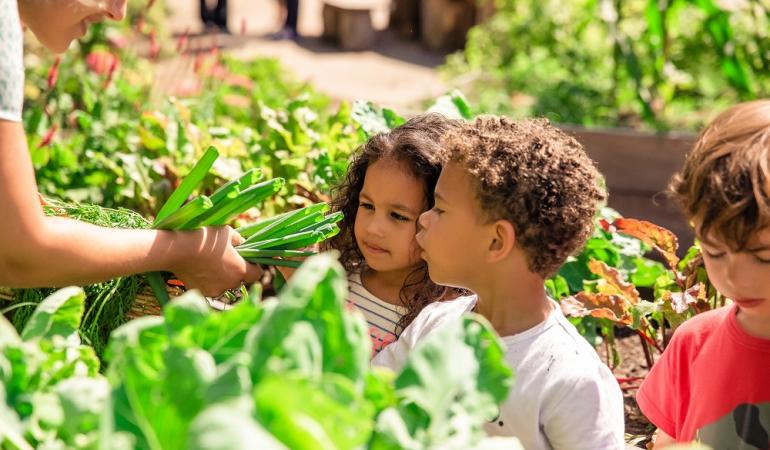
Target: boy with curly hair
513 201
711 384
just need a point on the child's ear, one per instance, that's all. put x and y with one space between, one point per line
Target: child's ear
503 240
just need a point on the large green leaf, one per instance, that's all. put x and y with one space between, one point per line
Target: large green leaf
224 427
444 397
305 415
57 315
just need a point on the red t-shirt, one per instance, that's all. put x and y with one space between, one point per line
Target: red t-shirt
712 384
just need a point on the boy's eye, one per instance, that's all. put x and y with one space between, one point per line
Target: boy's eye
437 210
714 255
762 260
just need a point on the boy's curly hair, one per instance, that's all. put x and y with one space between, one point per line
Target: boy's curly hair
535 176
416 144
724 187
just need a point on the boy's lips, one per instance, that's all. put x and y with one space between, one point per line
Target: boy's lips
748 302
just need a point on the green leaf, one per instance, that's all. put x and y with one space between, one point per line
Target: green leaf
373 119
452 105
176 220
317 294
223 335
186 312
448 395
8 334
82 401
57 315
188 184
305 415
222 427
232 381
228 208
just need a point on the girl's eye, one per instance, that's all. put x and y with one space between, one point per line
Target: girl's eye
436 210
399 217
366 205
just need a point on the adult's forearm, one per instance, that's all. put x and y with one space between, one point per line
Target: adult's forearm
65 251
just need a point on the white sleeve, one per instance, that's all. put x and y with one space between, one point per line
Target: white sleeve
394 355
588 414
11 62
430 318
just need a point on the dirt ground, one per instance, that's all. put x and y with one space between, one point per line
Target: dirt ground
632 369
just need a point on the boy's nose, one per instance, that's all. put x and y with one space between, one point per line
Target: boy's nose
422 221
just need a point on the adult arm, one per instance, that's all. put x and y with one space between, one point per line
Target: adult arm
36 250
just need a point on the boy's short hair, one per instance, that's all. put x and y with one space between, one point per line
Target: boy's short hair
724 187
535 176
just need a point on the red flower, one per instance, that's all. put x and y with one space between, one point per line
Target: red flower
53 73
101 62
198 65
181 43
154 46
111 72
49 135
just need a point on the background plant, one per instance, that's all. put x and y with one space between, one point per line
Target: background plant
640 63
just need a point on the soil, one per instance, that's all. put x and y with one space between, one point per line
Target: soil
630 372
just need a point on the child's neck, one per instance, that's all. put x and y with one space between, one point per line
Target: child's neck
385 285
513 304
753 326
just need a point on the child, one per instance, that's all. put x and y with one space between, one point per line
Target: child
514 200
388 185
712 383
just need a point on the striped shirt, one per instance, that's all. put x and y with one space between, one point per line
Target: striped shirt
381 316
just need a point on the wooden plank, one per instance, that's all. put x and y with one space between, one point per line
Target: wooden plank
632 160
637 168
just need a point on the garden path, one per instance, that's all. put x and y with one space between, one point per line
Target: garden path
395 73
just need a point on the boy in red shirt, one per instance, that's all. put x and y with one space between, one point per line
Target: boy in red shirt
712 383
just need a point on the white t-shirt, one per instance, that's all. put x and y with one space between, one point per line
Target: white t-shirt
563 396
11 62
381 316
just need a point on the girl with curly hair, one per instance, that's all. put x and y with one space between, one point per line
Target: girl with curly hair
389 184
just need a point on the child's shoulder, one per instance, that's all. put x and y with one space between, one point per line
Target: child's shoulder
436 314
564 348
447 309
698 329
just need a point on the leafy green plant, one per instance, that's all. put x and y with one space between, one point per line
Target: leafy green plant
679 292
641 63
291 372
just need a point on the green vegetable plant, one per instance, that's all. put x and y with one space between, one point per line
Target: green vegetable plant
267 242
291 372
681 291
649 64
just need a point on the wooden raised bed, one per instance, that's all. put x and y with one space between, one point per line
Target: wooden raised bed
637 168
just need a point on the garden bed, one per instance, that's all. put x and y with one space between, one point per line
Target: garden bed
637 167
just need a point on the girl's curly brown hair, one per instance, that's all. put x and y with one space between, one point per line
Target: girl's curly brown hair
416 144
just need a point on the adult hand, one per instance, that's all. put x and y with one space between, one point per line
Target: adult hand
213 265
